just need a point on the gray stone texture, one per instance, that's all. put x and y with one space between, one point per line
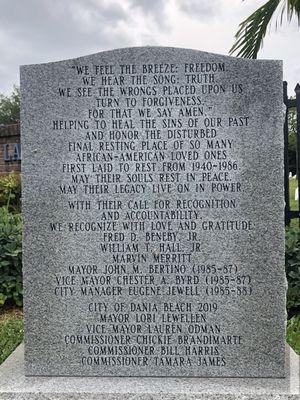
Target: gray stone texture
15 386
231 312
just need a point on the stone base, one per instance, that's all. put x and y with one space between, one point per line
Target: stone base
15 386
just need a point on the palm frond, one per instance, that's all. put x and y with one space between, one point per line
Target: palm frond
249 37
293 8
252 30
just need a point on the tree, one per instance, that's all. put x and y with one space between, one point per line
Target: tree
249 37
10 107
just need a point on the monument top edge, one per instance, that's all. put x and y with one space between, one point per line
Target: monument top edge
152 50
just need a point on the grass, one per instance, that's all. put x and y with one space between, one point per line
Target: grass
293 333
11 330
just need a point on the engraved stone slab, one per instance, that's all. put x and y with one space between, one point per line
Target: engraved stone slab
15 386
153 212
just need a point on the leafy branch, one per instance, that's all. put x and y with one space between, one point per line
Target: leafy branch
249 37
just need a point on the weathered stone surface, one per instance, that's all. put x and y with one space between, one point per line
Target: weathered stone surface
15 386
153 208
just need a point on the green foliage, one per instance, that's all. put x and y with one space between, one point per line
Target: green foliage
292 266
11 288
10 107
293 333
10 191
11 335
252 30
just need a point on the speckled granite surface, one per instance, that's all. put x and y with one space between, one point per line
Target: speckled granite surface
15 386
228 320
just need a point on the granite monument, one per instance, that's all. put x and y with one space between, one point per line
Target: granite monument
153 215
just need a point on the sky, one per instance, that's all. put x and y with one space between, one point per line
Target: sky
38 31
